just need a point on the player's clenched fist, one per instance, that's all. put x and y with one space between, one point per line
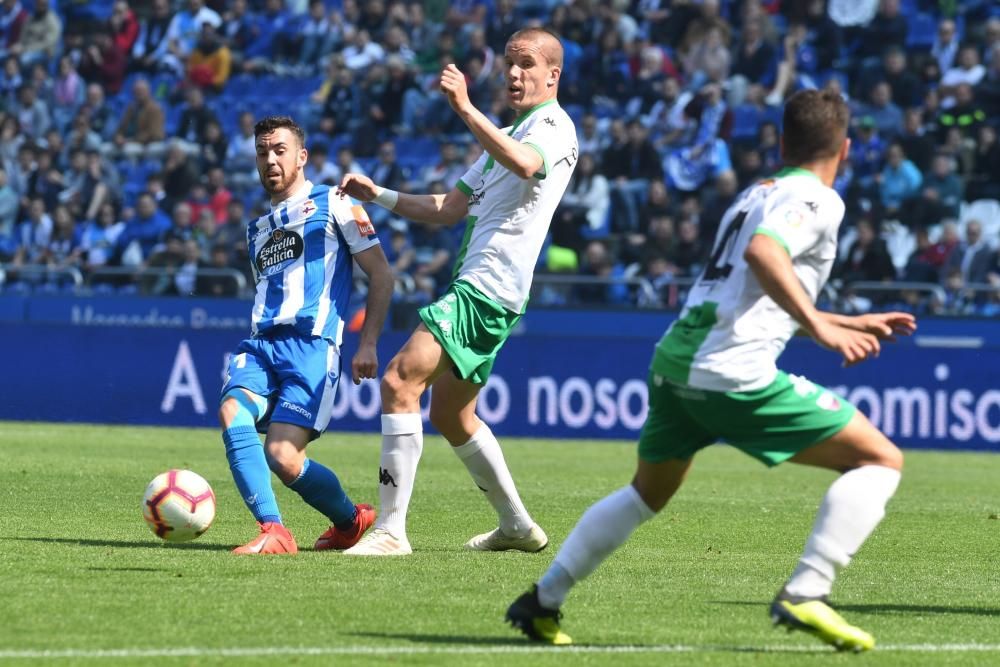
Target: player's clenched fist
364 364
357 186
453 85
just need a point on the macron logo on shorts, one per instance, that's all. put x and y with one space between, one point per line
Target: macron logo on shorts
297 408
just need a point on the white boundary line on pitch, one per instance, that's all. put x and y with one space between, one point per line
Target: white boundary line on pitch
198 652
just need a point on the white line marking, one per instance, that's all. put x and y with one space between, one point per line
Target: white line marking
956 342
500 649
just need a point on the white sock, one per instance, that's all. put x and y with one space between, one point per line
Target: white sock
602 529
402 443
852 507
484 459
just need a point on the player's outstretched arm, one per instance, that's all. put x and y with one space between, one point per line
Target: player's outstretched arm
373 262
518 158
772 266
446 209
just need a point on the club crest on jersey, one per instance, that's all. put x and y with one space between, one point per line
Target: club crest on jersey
309 207
365 226
283 248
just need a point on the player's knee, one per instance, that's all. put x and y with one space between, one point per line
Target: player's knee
890 456
284 461
228 410
395 389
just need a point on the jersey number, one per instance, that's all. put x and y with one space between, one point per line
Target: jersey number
720 266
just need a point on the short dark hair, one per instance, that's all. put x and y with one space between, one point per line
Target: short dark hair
814 126
271 123
553 56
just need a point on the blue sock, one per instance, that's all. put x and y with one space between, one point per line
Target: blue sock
319 486
248 463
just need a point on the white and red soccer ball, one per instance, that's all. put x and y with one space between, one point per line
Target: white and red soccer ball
178 505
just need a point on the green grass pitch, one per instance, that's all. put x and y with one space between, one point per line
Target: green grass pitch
84 581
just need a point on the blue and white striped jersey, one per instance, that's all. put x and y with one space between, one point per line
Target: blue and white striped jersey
301 257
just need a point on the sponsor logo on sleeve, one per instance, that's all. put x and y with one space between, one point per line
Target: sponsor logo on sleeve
365 226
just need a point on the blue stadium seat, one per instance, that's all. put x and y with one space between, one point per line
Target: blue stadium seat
923 29
746 120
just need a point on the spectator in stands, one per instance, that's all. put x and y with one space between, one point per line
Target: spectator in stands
12 19
630 162
179 176
68 92
965 114
205 231
216 285
360 51
769 147
988 91
940 197
99 237
888 28
9 206
945 46
213 148
868 258
40 35
342 107
754 65
63 249
396 44
186 275
101 118
598 262
584 206
900 179
432 259
387 170
972 259
926 261
21 169
10 81
161 268
319 35
46 181
149 53
241 154
184 31
867 152
233 235
708 155
34 235
124 26
648 83
984 180
588 137
905 88
318 167
194 121
210 62
219 196
143 232
346 163
448 169
689 252
104 63
141 132
797 68
715 204
916 143
32 113
968 71
240 28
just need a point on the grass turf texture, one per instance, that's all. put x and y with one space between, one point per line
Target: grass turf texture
81 572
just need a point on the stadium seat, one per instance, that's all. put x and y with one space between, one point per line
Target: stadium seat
923 29
987 212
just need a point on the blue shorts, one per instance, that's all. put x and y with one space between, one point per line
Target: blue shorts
297 374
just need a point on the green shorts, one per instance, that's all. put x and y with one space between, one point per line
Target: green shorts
471 328
771 424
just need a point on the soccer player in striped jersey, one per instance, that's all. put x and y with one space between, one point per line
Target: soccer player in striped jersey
283 379
713 377
509 196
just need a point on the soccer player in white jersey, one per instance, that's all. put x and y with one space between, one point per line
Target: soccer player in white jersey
508 197
283 379
713 377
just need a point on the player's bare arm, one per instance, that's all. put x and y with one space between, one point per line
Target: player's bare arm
772 266
446 209
380 282
886 326
520 159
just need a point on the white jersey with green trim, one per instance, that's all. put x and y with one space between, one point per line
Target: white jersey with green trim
730 333
509 216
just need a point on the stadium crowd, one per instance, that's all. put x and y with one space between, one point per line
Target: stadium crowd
126 134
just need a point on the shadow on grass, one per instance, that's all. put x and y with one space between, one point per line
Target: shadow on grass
194 546
445 639
886 608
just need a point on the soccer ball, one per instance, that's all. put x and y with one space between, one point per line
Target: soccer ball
179 505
